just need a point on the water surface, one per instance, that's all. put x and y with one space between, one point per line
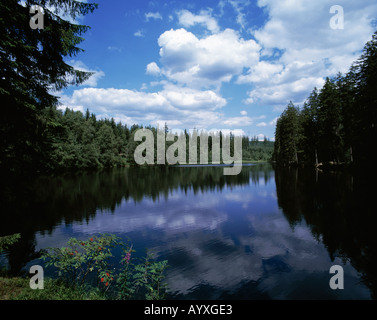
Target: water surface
263 234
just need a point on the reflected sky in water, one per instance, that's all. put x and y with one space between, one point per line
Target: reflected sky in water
232 242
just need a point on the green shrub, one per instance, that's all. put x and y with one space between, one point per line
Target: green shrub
80 260
7 241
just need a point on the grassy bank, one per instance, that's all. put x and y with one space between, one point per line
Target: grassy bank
19 289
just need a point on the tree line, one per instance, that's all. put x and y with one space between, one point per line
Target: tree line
337 123
74 140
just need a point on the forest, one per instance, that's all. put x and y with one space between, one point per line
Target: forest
74 140
337 123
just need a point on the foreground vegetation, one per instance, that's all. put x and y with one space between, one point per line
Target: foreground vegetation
18 288
84 271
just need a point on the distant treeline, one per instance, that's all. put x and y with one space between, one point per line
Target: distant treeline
337 124
73 140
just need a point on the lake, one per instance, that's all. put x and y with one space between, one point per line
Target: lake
263 234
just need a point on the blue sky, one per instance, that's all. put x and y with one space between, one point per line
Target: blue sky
223 64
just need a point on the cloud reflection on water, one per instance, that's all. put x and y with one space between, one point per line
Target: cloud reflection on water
220 243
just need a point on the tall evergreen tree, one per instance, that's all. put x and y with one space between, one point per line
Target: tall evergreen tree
32 65
365 76
309 124
329 123
347 96
287 136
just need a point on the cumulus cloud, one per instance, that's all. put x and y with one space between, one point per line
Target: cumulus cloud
279 95
205 62
153 69
284 60
309 48
193 108
261 71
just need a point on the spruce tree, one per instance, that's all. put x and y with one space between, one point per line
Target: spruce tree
329 122
287 136
365 74
32 66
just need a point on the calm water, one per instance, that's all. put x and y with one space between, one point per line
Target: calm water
262 234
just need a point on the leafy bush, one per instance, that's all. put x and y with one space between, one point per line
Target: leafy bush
80 260
7 241
144 278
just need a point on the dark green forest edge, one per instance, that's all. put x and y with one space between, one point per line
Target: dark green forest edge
337 124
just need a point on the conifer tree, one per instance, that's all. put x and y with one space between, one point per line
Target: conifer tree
32 65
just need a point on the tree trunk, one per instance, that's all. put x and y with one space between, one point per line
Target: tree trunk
316 158
351 154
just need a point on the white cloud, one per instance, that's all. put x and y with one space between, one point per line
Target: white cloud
262 124
243 121
188 19
153 69
261 71
186 98
205 62
238 121
296 24
153 15
66 103
193 108
279 95
243 112
308 49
